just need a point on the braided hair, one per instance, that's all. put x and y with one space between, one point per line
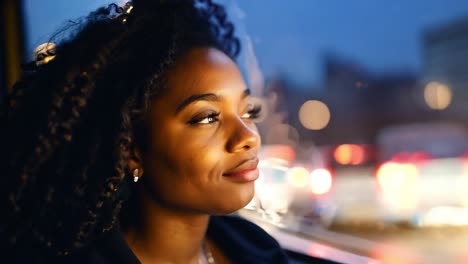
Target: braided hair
71 124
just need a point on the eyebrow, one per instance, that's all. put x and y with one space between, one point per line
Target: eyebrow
204 97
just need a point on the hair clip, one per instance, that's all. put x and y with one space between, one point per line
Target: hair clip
127 9
44 53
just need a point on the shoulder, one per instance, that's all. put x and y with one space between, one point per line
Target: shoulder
245 242
110 248
242 229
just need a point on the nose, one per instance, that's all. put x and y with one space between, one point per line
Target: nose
243 136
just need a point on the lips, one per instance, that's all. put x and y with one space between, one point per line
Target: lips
246 171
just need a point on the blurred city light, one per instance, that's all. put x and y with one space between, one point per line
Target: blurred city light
320 181
438 96
445 216
297 177
392 175
279 154
349 154
463 185
413 157
314 115
398 184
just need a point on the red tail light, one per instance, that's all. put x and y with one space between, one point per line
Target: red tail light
411 157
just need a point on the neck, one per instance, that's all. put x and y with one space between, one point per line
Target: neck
164 235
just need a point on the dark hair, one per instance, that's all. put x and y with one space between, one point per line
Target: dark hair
71 123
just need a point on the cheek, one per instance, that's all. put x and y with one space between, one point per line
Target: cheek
185 162
196 156
184 170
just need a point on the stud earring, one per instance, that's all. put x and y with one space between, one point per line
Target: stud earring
135 175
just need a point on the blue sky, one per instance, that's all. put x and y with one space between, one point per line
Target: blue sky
292 36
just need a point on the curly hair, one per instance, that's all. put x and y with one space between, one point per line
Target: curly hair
71 124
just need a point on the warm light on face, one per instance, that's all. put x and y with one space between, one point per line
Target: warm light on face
204 90
314 115
437 96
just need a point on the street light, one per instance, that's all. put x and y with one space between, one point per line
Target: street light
437 96
314 115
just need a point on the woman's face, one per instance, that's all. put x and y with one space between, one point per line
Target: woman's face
202 151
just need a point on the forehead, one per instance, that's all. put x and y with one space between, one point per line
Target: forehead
204 70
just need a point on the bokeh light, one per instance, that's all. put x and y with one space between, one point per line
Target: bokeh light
349 154
298 176
398 183
314 115
282 154
320 181
437 96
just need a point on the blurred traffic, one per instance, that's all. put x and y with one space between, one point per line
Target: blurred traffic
366 159
287 189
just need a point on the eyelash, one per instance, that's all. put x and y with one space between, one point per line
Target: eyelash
253 114
212 117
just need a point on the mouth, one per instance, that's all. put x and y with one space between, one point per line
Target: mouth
246 171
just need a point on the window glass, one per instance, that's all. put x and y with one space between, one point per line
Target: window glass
364 130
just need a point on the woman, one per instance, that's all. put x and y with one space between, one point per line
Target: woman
132 141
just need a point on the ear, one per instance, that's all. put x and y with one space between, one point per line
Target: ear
135 161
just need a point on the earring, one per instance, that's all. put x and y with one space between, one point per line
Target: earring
135 175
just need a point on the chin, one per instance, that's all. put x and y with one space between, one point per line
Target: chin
236 201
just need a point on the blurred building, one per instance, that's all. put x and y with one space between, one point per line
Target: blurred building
344 84
360 104
363 102
446 62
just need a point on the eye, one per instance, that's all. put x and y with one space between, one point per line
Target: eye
205 119
253 112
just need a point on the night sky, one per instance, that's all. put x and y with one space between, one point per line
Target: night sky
292 36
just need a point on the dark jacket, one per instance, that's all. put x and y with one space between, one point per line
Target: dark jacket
240 240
